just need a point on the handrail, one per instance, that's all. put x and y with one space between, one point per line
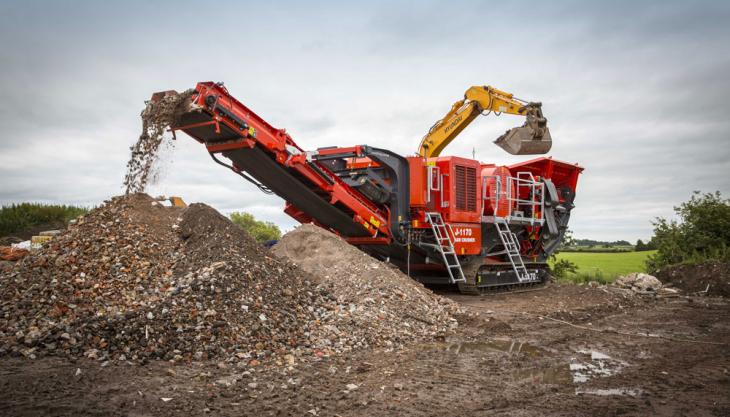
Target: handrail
524 194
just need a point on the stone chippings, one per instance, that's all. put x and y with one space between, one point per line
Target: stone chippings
136 281
156 118
382 304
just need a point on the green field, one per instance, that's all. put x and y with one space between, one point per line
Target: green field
605 267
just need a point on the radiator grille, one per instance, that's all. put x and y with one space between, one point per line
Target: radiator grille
466 188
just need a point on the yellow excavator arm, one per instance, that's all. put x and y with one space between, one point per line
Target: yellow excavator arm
529 139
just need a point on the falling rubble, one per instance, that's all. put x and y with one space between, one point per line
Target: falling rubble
136 281
156 118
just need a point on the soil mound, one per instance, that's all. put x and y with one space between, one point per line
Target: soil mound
713 277
385 305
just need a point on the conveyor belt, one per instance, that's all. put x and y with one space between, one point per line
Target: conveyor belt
270 157
277 178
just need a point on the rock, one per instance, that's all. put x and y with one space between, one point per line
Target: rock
227 381
351 387
639 282
11 254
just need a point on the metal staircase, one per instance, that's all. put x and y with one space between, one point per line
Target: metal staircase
512 249
445 246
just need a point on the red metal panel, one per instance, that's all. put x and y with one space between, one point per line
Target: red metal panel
561 173
368 241
284 150
496 202
467 238
470 188
418 186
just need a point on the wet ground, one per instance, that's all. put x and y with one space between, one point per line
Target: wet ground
564 350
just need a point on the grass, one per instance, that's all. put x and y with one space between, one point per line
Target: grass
604 267
19 217
598 248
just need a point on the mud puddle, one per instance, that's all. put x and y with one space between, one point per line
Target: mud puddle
557 375
594 364
579 372
585 366
605 392
508 346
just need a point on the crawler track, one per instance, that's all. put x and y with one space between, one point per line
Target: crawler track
499 278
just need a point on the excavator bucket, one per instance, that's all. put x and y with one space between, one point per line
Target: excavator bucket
522 141
532 138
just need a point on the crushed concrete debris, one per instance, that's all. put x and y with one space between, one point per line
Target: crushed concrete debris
12 254
639 282
134 281
386 306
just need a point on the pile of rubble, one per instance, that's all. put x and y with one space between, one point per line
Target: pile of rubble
644 285
638 282
135 281
383 305
11 254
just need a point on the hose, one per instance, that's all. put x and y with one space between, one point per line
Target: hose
263 188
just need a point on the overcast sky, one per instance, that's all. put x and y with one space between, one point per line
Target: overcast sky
636 92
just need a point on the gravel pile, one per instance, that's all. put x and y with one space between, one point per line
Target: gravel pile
135 281
383 305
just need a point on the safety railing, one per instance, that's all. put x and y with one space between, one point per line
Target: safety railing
518 199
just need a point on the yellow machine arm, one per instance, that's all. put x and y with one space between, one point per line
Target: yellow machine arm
530 139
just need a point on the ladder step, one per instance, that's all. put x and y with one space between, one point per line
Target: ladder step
445 246
512 250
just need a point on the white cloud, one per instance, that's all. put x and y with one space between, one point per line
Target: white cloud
636 93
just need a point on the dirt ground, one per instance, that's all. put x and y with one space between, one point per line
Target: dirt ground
712 278
563 350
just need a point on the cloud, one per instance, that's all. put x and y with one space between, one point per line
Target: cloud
635 91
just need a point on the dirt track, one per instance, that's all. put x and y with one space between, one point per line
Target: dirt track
501 362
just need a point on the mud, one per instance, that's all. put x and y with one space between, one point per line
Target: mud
156 118
510 357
